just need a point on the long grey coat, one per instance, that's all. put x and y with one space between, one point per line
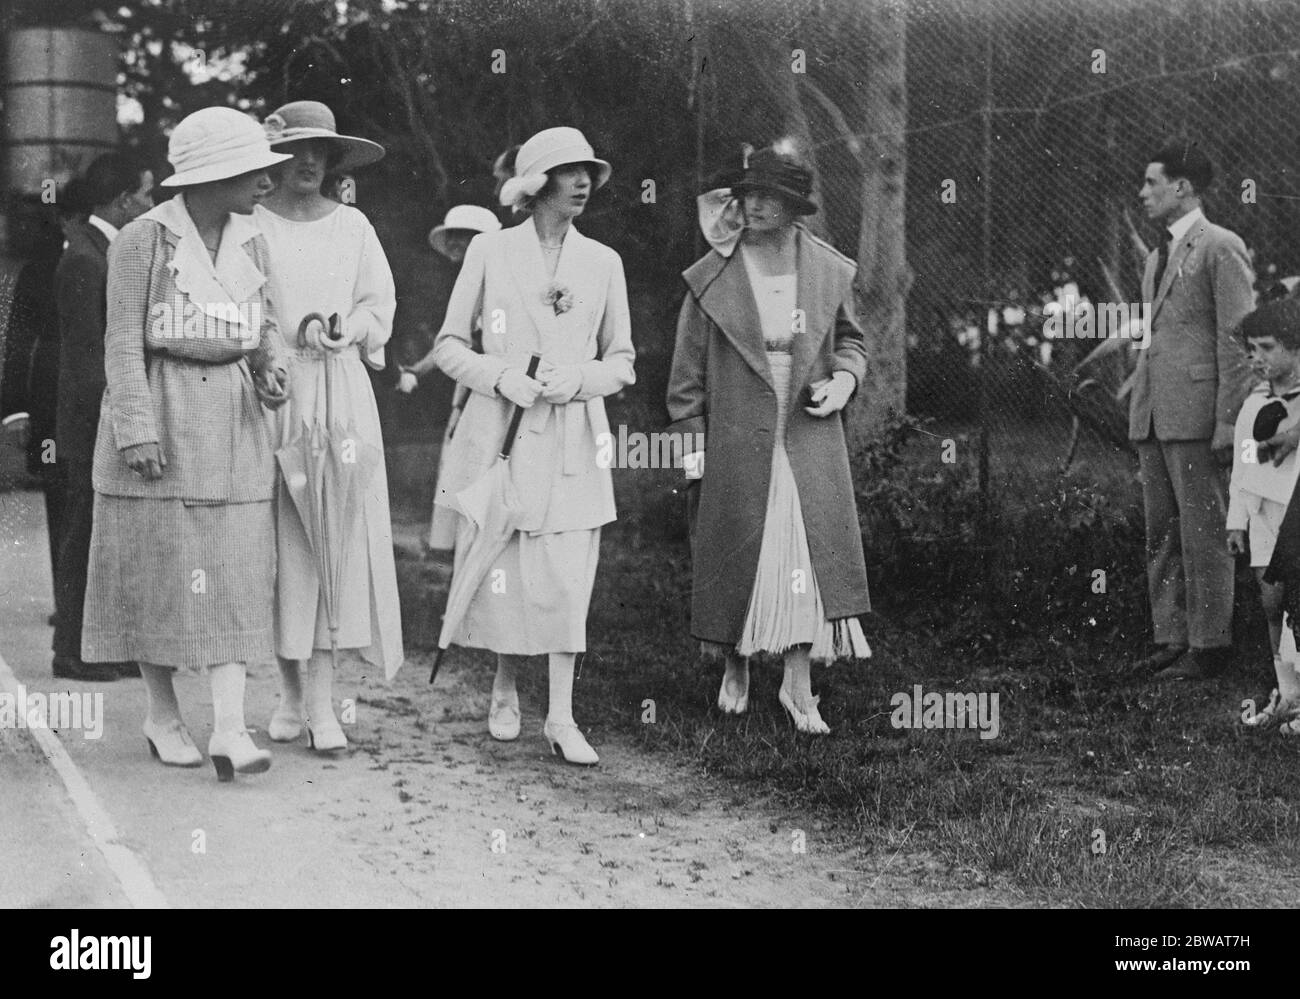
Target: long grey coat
721 386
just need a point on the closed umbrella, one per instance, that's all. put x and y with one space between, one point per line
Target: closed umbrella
494 510
327 469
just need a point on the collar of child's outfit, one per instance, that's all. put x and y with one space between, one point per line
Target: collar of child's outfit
213 286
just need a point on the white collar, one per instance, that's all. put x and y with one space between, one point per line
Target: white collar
107 228
212 286
1179 229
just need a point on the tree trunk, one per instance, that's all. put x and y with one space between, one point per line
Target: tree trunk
883 275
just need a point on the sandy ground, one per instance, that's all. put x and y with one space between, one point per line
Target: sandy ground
425 809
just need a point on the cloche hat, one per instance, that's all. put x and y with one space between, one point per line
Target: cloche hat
548 149
299 120
215 144
779 171
468 217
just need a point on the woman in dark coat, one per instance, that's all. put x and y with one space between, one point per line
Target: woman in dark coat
768 354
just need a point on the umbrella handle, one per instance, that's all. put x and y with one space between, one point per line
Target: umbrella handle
518 413
307 320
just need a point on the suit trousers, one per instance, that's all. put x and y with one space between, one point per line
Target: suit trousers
74 560
1189 570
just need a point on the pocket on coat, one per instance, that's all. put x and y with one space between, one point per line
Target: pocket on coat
1201 372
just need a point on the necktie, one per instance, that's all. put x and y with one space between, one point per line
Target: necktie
1162 261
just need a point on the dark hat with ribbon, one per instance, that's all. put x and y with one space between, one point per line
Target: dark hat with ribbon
781 172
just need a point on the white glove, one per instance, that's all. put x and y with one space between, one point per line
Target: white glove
831 395
693 465
518 387
561 383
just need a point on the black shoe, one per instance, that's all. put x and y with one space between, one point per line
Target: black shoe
127 669
1166 655
1197 664
72 668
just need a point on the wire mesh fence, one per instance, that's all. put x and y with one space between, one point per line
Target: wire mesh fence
1030 125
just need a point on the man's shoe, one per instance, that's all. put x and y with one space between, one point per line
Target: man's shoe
1197 664
72 668
1166 655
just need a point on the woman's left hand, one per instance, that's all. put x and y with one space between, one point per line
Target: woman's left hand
272 387
560 383
833 395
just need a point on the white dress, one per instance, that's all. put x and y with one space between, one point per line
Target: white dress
785 604
334 265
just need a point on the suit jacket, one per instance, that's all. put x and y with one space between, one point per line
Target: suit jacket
81 284
554 461
30 342
721 386
1192 378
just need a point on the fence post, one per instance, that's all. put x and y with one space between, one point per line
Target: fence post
986 334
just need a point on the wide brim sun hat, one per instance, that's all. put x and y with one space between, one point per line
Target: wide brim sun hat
216 144
300 120
548 149
465 218
781 172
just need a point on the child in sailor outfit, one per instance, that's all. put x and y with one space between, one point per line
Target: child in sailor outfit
1260 490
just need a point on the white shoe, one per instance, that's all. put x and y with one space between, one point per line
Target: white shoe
285 724
733 705
568 742
171 744
236 753
809 720
503 718
329 738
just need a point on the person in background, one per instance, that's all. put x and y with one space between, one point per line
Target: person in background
118 191
1187 388
29 386
451 239
326 259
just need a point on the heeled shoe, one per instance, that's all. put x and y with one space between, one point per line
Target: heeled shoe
503 719
809 721
568 742
285 725
1274 711
327 739
235 752
733 705
172 745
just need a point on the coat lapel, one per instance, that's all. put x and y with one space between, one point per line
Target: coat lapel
817 303
1176 257
526 264
729 302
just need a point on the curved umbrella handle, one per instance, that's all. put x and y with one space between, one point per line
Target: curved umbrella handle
307 320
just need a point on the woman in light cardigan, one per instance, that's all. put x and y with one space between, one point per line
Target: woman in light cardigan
540 287
182 560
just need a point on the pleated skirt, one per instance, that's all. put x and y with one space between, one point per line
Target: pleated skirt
177 584
785 604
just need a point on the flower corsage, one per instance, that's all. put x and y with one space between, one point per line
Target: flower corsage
558 298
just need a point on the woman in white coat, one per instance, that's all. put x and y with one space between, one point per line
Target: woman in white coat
326 259
540 287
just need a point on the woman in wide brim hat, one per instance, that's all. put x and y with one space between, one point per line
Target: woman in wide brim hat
326 259
182 560
541 287
777 553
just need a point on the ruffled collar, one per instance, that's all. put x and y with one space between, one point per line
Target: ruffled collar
217 288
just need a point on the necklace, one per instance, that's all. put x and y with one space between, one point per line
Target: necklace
551 246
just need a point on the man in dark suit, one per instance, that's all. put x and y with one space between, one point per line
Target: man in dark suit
1187 388
119 190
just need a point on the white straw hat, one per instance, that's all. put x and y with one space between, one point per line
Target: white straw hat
216 144
299 120
547 150
470 217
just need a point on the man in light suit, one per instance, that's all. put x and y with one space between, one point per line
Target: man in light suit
1188 386
119 191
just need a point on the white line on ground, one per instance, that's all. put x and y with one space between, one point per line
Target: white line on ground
136 881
